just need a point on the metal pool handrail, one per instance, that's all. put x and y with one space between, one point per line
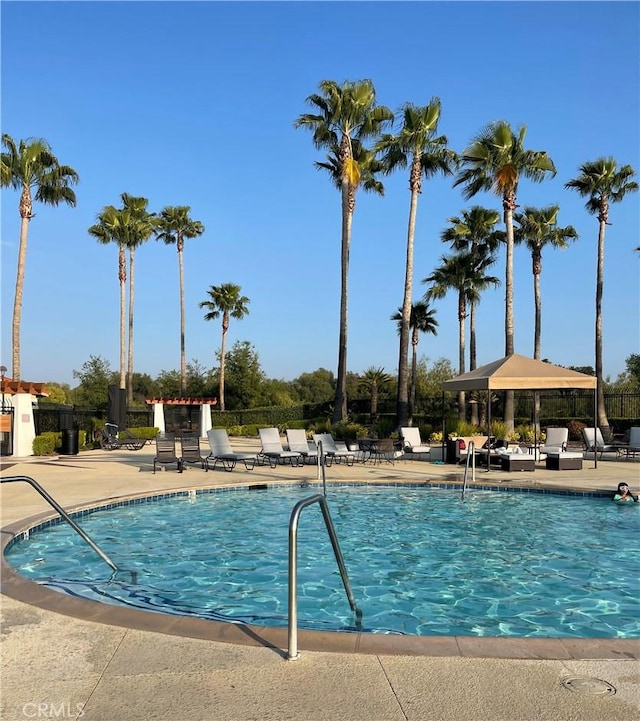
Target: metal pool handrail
57 507
471 459
321 467
293 568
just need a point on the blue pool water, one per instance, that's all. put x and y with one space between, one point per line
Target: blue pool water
420 560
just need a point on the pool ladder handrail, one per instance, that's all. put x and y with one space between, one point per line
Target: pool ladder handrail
293 568
321 467
57 507
471 459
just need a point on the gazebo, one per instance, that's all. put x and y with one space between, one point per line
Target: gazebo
518 372
205 410
17 427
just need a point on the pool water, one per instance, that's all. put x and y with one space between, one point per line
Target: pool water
420 560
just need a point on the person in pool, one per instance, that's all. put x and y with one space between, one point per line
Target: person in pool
624 494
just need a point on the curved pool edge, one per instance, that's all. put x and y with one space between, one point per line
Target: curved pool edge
21 589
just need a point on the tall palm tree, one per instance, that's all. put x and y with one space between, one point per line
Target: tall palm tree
537 227
226 301
111 227
344 114
29 166
421 320
495 160
415 145
140 228
474 231
602 182
373 381
467 275
174 225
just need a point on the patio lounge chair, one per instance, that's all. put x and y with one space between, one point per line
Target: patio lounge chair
330 448
630 449
412 443
297 441
166 451
556 441
221 452
594 442
110 439
272 450
190 445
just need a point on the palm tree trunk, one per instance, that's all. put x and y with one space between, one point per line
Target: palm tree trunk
509 205
537 332
130 358
223 352
414 370
25 213
473 356
183 358
603 421
462 409
402 409
340 402
122 278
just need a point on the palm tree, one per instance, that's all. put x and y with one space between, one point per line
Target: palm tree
421 320
226 301
536 228
111 227
345 113
416 145
174 226
466 274
475 232
373 381
29 166
140 229
602 182
495 160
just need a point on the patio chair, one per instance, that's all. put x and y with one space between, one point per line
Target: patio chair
166 451
131 442
592 440
331 449
412 443
630 449
190 445
221 452
556 440
109 440
297 441
383 450
272 450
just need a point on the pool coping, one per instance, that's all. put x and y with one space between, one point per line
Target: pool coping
22 589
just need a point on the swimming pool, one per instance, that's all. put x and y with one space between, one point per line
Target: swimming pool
420 561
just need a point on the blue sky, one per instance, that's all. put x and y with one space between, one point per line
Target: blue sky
194 104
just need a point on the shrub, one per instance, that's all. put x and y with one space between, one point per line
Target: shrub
575 430
347 431
146 432
463 428
45 444
499 430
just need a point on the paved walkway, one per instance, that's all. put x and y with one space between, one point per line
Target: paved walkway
64 658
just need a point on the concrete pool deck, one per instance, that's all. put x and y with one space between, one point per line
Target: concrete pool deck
66 658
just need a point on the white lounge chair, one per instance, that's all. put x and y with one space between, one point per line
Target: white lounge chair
594 442
556 440
297 441
330 448
412 443
273 451
221 452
